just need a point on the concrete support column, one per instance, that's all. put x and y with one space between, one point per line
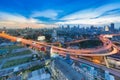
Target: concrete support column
53 54
48 52
106 62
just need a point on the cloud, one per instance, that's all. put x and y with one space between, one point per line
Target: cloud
97 21
100 15
52 14
12 20
9 17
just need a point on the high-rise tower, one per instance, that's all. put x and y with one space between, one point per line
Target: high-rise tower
54 36
112 27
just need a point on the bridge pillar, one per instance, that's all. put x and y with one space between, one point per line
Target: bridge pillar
48 50
106 62
53 54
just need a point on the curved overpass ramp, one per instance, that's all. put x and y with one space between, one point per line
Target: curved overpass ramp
82 52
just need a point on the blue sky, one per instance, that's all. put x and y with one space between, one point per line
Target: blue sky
38 13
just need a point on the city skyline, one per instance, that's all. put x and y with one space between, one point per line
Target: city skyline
39 13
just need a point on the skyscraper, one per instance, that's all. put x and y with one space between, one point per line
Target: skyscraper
54 36
112 28
106 28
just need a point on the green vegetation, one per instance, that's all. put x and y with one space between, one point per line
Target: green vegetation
8 55
11 47
26 72
90 44
16 62
18 53
36 67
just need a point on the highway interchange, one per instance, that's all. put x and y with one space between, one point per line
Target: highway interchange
108 48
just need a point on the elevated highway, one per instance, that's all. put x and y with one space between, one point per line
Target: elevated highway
99 52
94 57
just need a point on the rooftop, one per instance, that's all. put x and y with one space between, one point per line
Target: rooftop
39 75
67 70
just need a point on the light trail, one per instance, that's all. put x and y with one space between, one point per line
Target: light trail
107 44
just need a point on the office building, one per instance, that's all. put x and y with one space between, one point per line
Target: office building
112 27
63 71
106 28
40 74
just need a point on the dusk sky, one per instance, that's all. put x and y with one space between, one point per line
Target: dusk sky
38 13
